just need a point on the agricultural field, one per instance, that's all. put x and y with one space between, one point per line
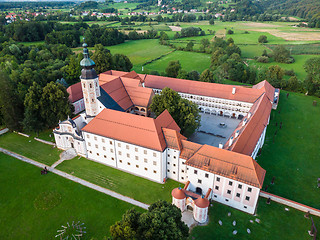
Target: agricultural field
189 61
275 223
140 51
35 206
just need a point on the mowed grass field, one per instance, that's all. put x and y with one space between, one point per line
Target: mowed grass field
24 216
30 148
189 61
121 182
275 223
291 154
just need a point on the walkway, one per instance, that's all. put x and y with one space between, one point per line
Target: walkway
76 179
290 203
65 155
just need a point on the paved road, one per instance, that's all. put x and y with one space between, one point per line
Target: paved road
76 179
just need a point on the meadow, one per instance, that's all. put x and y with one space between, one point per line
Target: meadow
35 206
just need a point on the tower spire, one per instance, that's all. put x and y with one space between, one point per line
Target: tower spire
86 61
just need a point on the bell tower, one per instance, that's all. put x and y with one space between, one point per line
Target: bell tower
90 84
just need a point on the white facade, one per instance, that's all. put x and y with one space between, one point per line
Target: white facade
127 157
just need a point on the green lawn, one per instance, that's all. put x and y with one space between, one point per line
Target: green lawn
21 184
275 223
124 183
189 61
251 51
297 66
30 148
293 156
140 51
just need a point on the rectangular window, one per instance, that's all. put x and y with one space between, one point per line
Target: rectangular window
137 166
182 178
240 186
112 158
111 150
127 147
96 145
174 165
154 154
137 158
168 170
128 155
110 142
183 162
154 163
102 139
247 198
168 163
229 191
207 175
104 148
154 171
136 149
249 189
89 144
199 181
119 153
145 151
182 171
230 183
174 157
88 136
174 172
104 156
146 160
217 187
97 154
120 161
218 179
95 138
145 168
128 163
168 155
119 144
238 195
195 172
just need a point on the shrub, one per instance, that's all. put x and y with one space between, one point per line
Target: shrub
263 59
289 72
230 32
263 39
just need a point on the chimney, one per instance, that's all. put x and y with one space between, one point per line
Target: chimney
233 90
220 145
230 141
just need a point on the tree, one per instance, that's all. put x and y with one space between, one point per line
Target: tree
211 21
274 75
184 112
72 70
312 67
55 104
10 103
161 221
121 62
263 39
293 84
33 120
206 76
173 68
190 45
281 54
193 75
102 58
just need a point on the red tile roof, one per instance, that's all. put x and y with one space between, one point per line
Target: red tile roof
267 88
188 149
75 92
229 164
173 138
243 94
250 133
178 193
130 128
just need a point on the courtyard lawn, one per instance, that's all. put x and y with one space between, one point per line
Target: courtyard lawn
121 182
22 206
275 223
291 154
189 61
140 51
30 148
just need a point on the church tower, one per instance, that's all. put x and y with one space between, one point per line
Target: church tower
90 84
